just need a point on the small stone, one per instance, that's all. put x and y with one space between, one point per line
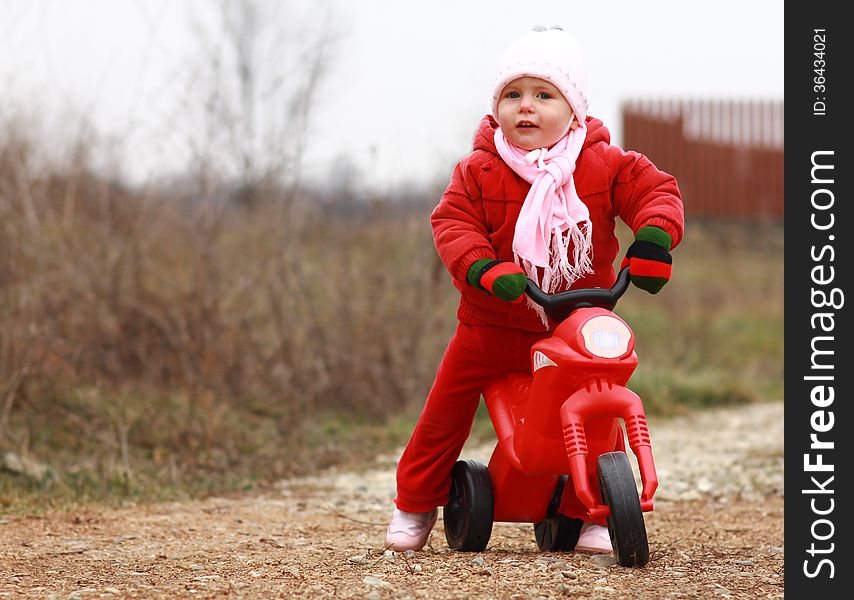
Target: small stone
487 571
409 553
603 560
416 568
112 590
376 582
255 573
389 555
477 561
360 559
569 574
195 567
746 563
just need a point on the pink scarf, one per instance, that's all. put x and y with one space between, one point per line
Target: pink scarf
553 216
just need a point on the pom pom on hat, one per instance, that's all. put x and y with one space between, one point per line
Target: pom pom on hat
550 54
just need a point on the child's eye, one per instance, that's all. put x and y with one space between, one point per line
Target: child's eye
512 94
544 95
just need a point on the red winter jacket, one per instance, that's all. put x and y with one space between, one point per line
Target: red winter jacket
476 217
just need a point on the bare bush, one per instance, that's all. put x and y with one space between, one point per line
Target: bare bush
141 294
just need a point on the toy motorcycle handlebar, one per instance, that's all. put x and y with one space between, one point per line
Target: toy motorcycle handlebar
559 306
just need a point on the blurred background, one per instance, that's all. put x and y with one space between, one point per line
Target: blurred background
216 265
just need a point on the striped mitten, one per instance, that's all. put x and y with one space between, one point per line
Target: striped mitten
501 278
649 260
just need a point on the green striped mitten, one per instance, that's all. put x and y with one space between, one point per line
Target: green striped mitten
649 260
501 278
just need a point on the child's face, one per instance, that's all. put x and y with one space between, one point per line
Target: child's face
532 113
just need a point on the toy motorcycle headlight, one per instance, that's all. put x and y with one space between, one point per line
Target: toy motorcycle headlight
607 337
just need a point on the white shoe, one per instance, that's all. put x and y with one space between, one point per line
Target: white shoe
409 530
594 539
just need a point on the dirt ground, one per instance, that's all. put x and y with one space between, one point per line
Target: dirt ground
717 531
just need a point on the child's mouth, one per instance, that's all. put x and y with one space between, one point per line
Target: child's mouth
525 125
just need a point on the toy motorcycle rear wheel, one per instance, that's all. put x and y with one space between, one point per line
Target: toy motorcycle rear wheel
557 532
625 525
469 511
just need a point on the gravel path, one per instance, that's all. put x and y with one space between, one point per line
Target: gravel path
717 531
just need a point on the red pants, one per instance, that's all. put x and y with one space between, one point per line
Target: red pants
476 355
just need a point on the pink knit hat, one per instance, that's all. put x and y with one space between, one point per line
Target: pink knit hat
550 54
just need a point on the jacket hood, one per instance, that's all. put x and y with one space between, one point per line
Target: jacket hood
484 138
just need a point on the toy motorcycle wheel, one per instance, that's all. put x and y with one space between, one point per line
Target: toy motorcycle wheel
557 532
625 525
469 511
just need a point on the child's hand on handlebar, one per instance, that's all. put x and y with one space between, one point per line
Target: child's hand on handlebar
649 260
501 278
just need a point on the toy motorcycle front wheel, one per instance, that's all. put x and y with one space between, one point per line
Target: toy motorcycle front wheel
625 525
469 511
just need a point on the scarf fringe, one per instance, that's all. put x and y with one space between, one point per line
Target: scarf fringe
561 272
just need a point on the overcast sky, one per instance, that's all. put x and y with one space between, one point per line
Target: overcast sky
408 80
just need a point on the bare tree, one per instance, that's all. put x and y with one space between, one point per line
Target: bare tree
260 65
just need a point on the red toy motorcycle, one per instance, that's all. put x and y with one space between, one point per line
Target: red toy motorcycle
555 463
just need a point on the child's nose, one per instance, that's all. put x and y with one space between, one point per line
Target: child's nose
527 103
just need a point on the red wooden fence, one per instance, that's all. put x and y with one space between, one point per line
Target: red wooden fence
727 156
